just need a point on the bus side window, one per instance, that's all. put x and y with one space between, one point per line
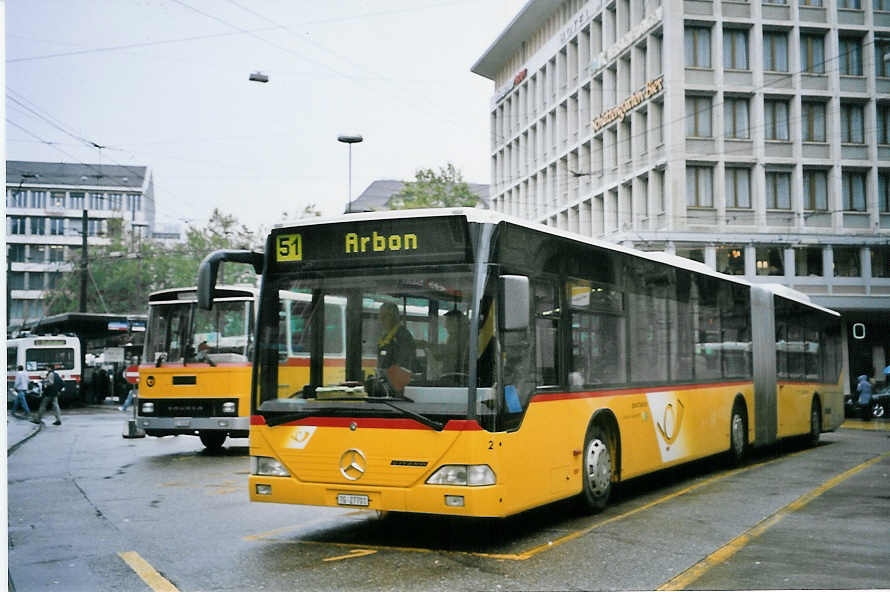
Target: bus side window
547 313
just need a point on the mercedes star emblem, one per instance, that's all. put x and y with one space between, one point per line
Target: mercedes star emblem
353 464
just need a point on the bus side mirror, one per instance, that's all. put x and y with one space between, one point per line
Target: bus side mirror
516 302
210 267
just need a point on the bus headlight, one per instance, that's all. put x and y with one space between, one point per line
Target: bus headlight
266 465
148 408
471 475
228 407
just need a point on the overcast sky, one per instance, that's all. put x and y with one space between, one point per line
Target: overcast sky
164 83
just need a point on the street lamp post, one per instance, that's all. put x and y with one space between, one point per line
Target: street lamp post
349 140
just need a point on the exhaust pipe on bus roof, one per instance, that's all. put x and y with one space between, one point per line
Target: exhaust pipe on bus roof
210 266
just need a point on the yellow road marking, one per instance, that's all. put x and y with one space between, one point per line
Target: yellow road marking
351 554
149 575
858 424
685 579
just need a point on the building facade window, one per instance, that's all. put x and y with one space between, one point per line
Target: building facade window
881 5
16 280
134 202
16 253
814 3
808 261
850 56
812 53
775 114
694 253
853 183
815 190
57 199
735 116
97 201
699 187
57 226
880 261
16 198
884 193
775 51
115 201
778 190
846 262
882 48
731 259
852 123
735 49
38 225
75 199
37 254
769 260
883 123
36 280
56 253
698 47
738 188
849 4
812 121
698 117
17 224
38 199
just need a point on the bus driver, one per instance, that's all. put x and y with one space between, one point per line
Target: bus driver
396 349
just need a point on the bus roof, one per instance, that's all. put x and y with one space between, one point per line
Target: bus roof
492 217
237 291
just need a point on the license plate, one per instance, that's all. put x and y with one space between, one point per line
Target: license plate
345 499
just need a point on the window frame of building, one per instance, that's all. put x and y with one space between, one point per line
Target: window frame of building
37 225
847 261
769 260
776 124
697 39
884 192
736 118
813 126
97 200
692 253
852 123
812 53
738 187
57 226
16 280
813 200
730 259
882 116
775 53
736 54
134 202
849 4
850 56
778 190
56 253
17 198
700 121
881 5
804 260
811 3
18 224
76 200
37 200
15 252
701 192
882 48
36 254
853 184
880 261
57 199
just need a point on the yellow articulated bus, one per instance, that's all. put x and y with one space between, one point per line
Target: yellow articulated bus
491 365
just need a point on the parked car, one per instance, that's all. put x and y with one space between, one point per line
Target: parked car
880 404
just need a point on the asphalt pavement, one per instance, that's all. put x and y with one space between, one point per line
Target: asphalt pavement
19 428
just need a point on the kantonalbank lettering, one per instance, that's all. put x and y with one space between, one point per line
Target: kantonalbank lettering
356 243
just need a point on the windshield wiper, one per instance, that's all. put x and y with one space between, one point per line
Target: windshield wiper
438 426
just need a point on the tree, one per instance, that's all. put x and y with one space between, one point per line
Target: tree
430 190
122 275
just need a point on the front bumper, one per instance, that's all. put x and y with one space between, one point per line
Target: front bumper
235 427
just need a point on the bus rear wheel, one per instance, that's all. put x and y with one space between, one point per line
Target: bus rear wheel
815 423
738 435
212 440
597 469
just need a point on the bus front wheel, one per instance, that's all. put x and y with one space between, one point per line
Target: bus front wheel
212 440
597 469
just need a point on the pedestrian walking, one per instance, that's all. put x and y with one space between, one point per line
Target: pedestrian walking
52 386
21 388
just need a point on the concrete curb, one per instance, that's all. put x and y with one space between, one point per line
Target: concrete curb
14 447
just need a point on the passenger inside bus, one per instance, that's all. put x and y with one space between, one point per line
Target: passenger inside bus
396 349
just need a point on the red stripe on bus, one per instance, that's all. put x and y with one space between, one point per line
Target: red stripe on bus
453 425
190 365
545 397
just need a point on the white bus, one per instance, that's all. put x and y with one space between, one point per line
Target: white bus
37 354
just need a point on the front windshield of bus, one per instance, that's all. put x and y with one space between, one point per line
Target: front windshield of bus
179 332
402 338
